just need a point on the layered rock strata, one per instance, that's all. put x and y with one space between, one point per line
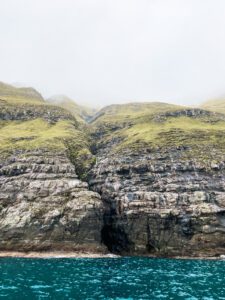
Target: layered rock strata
148 194
44 206
51 114
156 204
161 200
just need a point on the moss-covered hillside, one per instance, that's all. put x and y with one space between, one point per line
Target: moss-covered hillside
28 123
35 134
161 126
131 113
15 95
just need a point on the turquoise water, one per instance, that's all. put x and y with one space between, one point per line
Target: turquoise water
111 278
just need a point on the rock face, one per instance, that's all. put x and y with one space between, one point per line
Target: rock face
156 203
51 114
44 206
156 184
165 196
43 203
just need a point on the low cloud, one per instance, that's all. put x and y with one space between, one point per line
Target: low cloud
113 51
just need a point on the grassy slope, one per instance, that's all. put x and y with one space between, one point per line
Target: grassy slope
17 96
35 134
176 131
137 126
214 105
39 133
134 125
54 128
131 113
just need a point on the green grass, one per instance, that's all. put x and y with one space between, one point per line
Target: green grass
132 126
119 116
19 96
35 134
42 126
20 100
39 134
149 126
215 105
175 131
133 111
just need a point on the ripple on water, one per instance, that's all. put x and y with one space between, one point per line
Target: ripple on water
116 278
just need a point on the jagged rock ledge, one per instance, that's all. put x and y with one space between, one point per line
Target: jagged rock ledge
151 200
45 207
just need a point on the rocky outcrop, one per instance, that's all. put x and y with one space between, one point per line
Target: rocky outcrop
44 206
162 195
51 114
195 113
161 202
156 205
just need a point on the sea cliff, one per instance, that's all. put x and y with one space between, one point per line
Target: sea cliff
137 179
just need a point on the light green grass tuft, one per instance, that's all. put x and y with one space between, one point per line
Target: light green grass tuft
175 131
19 96
116 115
35 134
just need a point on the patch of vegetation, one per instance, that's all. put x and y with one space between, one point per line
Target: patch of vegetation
215 105
177 131
162 126
131 113
34 134
79 153
15 95
29 123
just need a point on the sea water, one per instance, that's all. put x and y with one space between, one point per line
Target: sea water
111 278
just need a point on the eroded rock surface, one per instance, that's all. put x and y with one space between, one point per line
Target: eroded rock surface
44 206
161 202
52 114
157 185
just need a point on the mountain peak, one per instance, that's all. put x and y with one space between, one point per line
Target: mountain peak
19 95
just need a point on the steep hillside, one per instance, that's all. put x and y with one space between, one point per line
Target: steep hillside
157 125
215 105
82 113
43 203
161 177
153 178
19 95
122 114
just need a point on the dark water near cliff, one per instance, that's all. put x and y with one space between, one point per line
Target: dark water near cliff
116 278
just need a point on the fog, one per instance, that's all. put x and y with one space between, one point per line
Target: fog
100 52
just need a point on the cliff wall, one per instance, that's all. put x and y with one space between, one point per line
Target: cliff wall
140 179
163 188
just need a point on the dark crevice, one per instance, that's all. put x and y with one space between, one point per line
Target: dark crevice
115 238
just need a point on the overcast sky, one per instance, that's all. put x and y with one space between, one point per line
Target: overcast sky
113 51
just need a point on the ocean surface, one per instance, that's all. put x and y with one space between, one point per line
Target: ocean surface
111 278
